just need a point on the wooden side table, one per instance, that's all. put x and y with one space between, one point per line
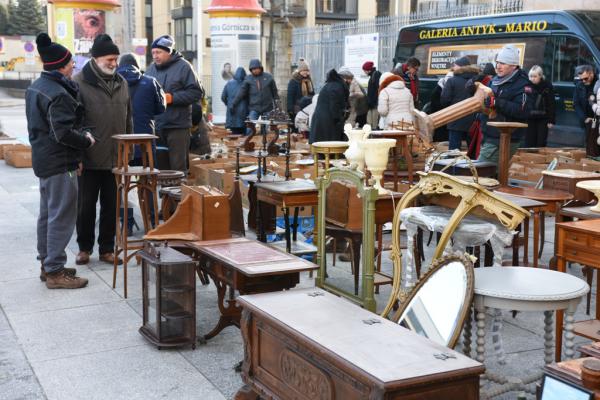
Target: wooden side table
578 242
506 129
326 149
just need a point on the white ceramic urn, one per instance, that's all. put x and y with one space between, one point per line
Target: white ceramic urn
376 158
355 154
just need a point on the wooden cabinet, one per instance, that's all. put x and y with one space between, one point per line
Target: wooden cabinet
566 180
309 344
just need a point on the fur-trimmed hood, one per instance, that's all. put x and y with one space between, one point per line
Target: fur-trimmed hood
467 70
388 80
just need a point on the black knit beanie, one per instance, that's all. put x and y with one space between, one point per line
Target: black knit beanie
104 46
53 55
128 59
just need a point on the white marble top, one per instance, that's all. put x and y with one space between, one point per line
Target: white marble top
530 284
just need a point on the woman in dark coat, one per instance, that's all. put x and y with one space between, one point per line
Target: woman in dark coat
235 121
543 113
328 119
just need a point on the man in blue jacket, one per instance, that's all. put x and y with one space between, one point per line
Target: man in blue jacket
236 117
512 101
147 100
57 137
182 89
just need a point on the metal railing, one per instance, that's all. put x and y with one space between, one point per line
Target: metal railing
323 45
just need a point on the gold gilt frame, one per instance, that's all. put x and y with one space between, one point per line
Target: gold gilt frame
464 197
436 265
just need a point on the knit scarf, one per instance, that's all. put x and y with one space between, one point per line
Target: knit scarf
497 80
307 87
106 81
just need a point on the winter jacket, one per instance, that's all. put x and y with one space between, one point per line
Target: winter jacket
260 91
54 123
513 99
544 105
237 117
412 81
455 90
356 95
177 77
295 92
147 98
581 101
328 119
373 89
304 116
107 113
396 104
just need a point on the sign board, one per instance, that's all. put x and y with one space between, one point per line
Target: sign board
441 58
357 50
2 45
29 47
138 42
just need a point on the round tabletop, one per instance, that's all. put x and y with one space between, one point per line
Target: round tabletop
528 284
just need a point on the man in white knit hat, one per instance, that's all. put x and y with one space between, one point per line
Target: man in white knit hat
512 101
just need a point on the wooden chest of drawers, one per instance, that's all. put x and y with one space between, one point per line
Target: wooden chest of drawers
309 344
566 179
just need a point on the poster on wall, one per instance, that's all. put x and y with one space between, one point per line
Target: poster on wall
357 50
234 42
441 58
76 29
2 45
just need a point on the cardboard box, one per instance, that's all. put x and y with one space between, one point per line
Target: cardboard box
18 159
532 158
200 171
12 145
222 178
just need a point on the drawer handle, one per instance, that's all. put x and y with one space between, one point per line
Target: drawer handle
574 237
574 253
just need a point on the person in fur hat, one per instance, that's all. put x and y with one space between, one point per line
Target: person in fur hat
298 87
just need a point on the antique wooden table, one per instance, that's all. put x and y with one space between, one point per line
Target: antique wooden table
286 194
578 242
309 344
524 289
245 266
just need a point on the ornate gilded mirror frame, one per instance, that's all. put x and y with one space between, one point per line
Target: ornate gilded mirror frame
369 196
436 265
468 196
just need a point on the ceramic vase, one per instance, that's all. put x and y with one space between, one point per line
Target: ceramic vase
355 154
594 187
376 158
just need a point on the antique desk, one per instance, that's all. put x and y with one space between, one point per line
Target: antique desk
245 266
309 344
523 289
566 179
578 242
286 194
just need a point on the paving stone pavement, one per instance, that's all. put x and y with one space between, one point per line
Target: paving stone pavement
58 344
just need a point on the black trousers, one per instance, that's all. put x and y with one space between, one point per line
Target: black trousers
94 183
591 140
537 133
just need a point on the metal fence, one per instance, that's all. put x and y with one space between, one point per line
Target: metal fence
323 45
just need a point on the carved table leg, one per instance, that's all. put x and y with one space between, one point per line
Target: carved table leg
467 333
548 337
286 220
497 336
246 393
230 313
480 335
569 336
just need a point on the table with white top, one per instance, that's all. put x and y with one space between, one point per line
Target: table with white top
524 289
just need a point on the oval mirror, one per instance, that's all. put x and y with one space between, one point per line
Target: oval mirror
437 306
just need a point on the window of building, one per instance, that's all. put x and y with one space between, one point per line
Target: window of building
337 8
184 36
569 52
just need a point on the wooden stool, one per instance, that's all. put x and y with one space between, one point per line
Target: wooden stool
142 178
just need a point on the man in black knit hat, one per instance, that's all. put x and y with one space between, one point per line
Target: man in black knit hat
108 112
57 137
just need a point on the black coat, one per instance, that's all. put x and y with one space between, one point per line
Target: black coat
544 105
54 122
581 101
236 117
327 122
260 91
513 99
373 89
455 90
294 92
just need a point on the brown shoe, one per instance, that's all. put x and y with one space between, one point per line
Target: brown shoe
109 258
82 258
69 271
62 280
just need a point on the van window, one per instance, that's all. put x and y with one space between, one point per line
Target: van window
536 51
569 52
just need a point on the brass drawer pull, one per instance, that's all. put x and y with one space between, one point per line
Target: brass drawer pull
573 237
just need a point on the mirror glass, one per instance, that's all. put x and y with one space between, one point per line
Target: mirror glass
435 310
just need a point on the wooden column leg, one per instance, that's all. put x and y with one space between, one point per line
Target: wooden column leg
355 247
536 238
409 160
504 155
548 337
526 241
119 230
